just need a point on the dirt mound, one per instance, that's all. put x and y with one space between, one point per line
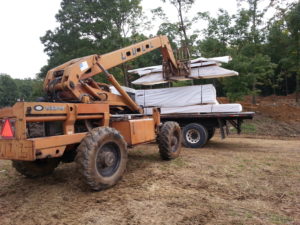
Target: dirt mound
281 108
277 116
280 111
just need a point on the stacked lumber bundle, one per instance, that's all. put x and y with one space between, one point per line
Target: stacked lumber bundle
201 68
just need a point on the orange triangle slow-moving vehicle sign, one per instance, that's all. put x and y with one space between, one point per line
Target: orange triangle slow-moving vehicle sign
7 131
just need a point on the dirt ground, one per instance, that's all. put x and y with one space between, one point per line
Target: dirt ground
277 116
263 125
232 181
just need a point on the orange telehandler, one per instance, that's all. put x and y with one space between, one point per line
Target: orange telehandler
81 120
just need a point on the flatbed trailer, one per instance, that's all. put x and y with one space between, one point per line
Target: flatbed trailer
199 128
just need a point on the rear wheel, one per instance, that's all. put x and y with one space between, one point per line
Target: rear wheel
37 168
211 132
102 158
169 140
194 135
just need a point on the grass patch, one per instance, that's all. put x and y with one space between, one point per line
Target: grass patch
178 162
248 128
280 219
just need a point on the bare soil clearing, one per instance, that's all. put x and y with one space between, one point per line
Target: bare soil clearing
277 116
263 125
232 181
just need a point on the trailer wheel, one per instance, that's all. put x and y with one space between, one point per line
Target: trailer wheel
194 135
102 157
211 132
169 140
37 168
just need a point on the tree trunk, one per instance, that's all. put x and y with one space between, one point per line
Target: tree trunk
254 92
255 42
253 30
126 81
286 84
274 83
298 68
182 23
297 88
123 66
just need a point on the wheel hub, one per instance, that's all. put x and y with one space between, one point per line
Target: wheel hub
193 136
107 159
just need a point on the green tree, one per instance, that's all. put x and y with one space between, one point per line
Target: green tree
282 47
259 68
217 35
182 7
256 35
293 24
277 47
218 41
89 27
178 32
8 91
29 89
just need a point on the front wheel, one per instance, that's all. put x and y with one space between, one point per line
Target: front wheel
194 135
102 158
169 140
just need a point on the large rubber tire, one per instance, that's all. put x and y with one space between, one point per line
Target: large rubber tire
169 140
194 135
210 132
37 168
102 157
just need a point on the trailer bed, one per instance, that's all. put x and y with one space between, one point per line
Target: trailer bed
223 115
199 128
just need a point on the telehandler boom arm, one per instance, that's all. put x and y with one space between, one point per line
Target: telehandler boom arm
71 80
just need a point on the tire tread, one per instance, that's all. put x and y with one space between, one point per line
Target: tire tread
164 140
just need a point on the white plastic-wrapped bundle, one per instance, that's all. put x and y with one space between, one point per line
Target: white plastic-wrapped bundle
211 108
189 99
177 96
230 108
188 109
127 89
201 68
